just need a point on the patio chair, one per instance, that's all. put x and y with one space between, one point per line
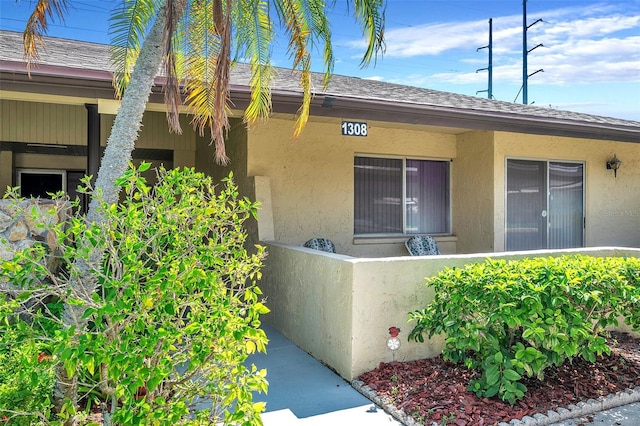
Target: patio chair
322 244
422 245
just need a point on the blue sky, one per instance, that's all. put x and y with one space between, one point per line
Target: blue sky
590 53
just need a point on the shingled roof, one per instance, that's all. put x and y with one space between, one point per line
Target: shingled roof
347 96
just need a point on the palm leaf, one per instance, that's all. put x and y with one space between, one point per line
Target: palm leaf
129 25
370 13
253 39
207 62
293 15
171 44
37 26
321 29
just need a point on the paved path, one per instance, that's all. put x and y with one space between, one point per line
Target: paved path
302 391
627 415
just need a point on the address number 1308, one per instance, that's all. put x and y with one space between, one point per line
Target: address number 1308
354 128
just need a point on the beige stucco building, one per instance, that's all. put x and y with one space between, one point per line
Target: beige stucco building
376 163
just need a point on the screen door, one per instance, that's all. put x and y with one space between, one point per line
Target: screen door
545 205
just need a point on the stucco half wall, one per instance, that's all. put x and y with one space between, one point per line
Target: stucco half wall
339 308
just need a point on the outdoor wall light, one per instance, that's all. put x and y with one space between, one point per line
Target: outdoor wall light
393 342
614 164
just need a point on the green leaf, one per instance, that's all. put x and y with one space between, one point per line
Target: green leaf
262 309
90 365
511 375
492 391
192 328
492 375
170 309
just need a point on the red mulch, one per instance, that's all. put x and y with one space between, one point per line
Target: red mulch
432 390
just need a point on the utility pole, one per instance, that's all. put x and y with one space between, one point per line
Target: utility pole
525 76
525 53
490 67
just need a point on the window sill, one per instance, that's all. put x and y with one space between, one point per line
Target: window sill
399 239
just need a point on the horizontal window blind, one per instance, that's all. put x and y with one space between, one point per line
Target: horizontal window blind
395 196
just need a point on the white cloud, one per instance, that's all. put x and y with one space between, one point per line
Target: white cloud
431 39
580 45
592 27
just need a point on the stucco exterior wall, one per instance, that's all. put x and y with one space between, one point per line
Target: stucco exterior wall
612 204
312 177
311 182
236 149
473 192
310 298
339 308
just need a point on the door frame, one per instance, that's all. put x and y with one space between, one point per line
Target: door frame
58 172
547 161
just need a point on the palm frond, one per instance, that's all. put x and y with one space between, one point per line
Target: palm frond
253 37
219 120
370 13
37 25
293 15
129 25
207 62
303 112
201 50
171 44
321 29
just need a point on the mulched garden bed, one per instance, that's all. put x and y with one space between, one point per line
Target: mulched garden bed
435 391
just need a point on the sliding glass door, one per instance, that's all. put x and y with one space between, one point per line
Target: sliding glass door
545 205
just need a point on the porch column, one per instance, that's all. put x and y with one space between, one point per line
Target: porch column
6 170
93 140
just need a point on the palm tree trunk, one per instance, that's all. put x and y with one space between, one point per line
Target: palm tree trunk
115 162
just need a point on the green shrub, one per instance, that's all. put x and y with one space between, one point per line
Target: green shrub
164 339
26 376
511 319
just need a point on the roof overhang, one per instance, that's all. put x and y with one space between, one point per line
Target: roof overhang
84 84
438 116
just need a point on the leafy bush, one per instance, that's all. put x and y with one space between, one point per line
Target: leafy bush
164 339
511 319
26 377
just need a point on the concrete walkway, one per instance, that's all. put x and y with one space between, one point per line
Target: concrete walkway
302 391
626 415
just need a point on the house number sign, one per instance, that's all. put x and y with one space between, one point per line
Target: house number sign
354 128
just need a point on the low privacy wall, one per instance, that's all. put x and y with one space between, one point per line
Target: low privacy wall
339 308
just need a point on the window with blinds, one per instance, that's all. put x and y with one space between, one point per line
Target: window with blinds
401 196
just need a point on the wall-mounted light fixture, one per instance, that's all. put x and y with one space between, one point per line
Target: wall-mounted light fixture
614 164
